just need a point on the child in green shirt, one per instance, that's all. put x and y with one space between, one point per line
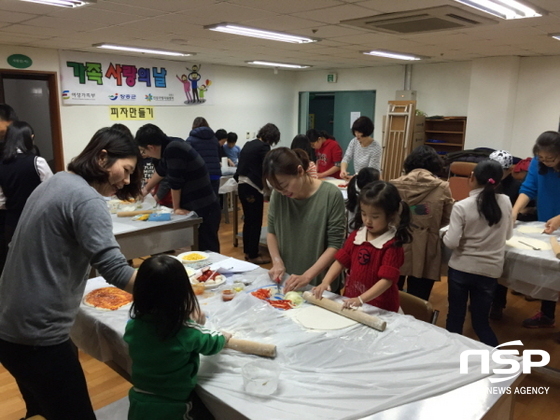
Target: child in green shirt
165 337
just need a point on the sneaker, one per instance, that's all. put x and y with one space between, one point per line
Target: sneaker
496 313
540 320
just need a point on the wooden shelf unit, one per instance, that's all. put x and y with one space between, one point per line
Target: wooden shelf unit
449 133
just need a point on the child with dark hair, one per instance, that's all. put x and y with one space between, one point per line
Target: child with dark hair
327 151
430 202
479 227
165 338
373 253
364 177
301 143
231 150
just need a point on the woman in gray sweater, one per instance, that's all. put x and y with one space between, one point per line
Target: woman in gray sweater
65 227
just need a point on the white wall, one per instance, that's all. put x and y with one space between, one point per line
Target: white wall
509 101
248 99
384 80
537 105
442 89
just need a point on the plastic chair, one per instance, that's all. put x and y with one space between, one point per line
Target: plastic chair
459 173
418 308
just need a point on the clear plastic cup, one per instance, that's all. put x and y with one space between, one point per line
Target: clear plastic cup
260 377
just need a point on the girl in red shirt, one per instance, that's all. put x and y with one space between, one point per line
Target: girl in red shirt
373 253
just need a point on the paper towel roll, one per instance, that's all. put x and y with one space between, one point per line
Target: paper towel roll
224 162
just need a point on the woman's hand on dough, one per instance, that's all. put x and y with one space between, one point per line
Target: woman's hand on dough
295 282
552 224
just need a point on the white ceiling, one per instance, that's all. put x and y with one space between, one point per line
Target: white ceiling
178 25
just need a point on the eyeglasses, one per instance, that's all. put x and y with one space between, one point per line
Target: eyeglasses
548 159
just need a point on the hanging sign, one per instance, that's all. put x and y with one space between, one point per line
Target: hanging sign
19 61
134 113
103 79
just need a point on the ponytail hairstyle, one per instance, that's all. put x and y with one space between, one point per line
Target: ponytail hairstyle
283 161
163 292
488 175
301 141
19 136
384 195
364 177
548 142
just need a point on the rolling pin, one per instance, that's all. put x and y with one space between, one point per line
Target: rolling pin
555 246
133 213
251 347
359 316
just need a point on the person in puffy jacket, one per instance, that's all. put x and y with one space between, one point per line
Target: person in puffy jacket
430 202
204 141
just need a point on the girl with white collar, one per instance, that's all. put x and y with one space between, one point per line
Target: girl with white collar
373 253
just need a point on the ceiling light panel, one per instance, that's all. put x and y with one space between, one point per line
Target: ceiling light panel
272 64
63 3
505 9
394 55
259 33
141 50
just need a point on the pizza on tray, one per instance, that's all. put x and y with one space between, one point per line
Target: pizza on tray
108 298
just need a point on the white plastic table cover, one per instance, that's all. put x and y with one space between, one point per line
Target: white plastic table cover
531 272
342 374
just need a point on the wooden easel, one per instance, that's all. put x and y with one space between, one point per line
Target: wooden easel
397 138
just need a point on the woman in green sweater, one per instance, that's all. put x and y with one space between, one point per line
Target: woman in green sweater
305 221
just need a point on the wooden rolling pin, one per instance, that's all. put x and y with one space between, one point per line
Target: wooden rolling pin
251 347
133 213
555 246
359 316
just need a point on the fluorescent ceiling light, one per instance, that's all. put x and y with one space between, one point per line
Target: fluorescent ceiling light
505 9
271 64
395 55
141 50
259 33
63 3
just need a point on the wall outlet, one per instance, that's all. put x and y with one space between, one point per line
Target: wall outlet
248 135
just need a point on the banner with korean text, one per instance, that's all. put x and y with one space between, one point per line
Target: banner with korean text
106 79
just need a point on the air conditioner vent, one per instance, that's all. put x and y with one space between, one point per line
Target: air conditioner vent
417 21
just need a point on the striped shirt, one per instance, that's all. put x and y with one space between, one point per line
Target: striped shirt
363 157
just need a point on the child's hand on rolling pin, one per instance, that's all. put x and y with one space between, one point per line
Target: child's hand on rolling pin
352 303
318 290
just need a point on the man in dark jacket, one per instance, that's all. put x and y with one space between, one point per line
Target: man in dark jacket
188 178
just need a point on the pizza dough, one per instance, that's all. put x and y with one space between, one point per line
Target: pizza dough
316 318
514 243
530 229
108 299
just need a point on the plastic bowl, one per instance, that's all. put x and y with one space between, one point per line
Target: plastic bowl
260 377
198 288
